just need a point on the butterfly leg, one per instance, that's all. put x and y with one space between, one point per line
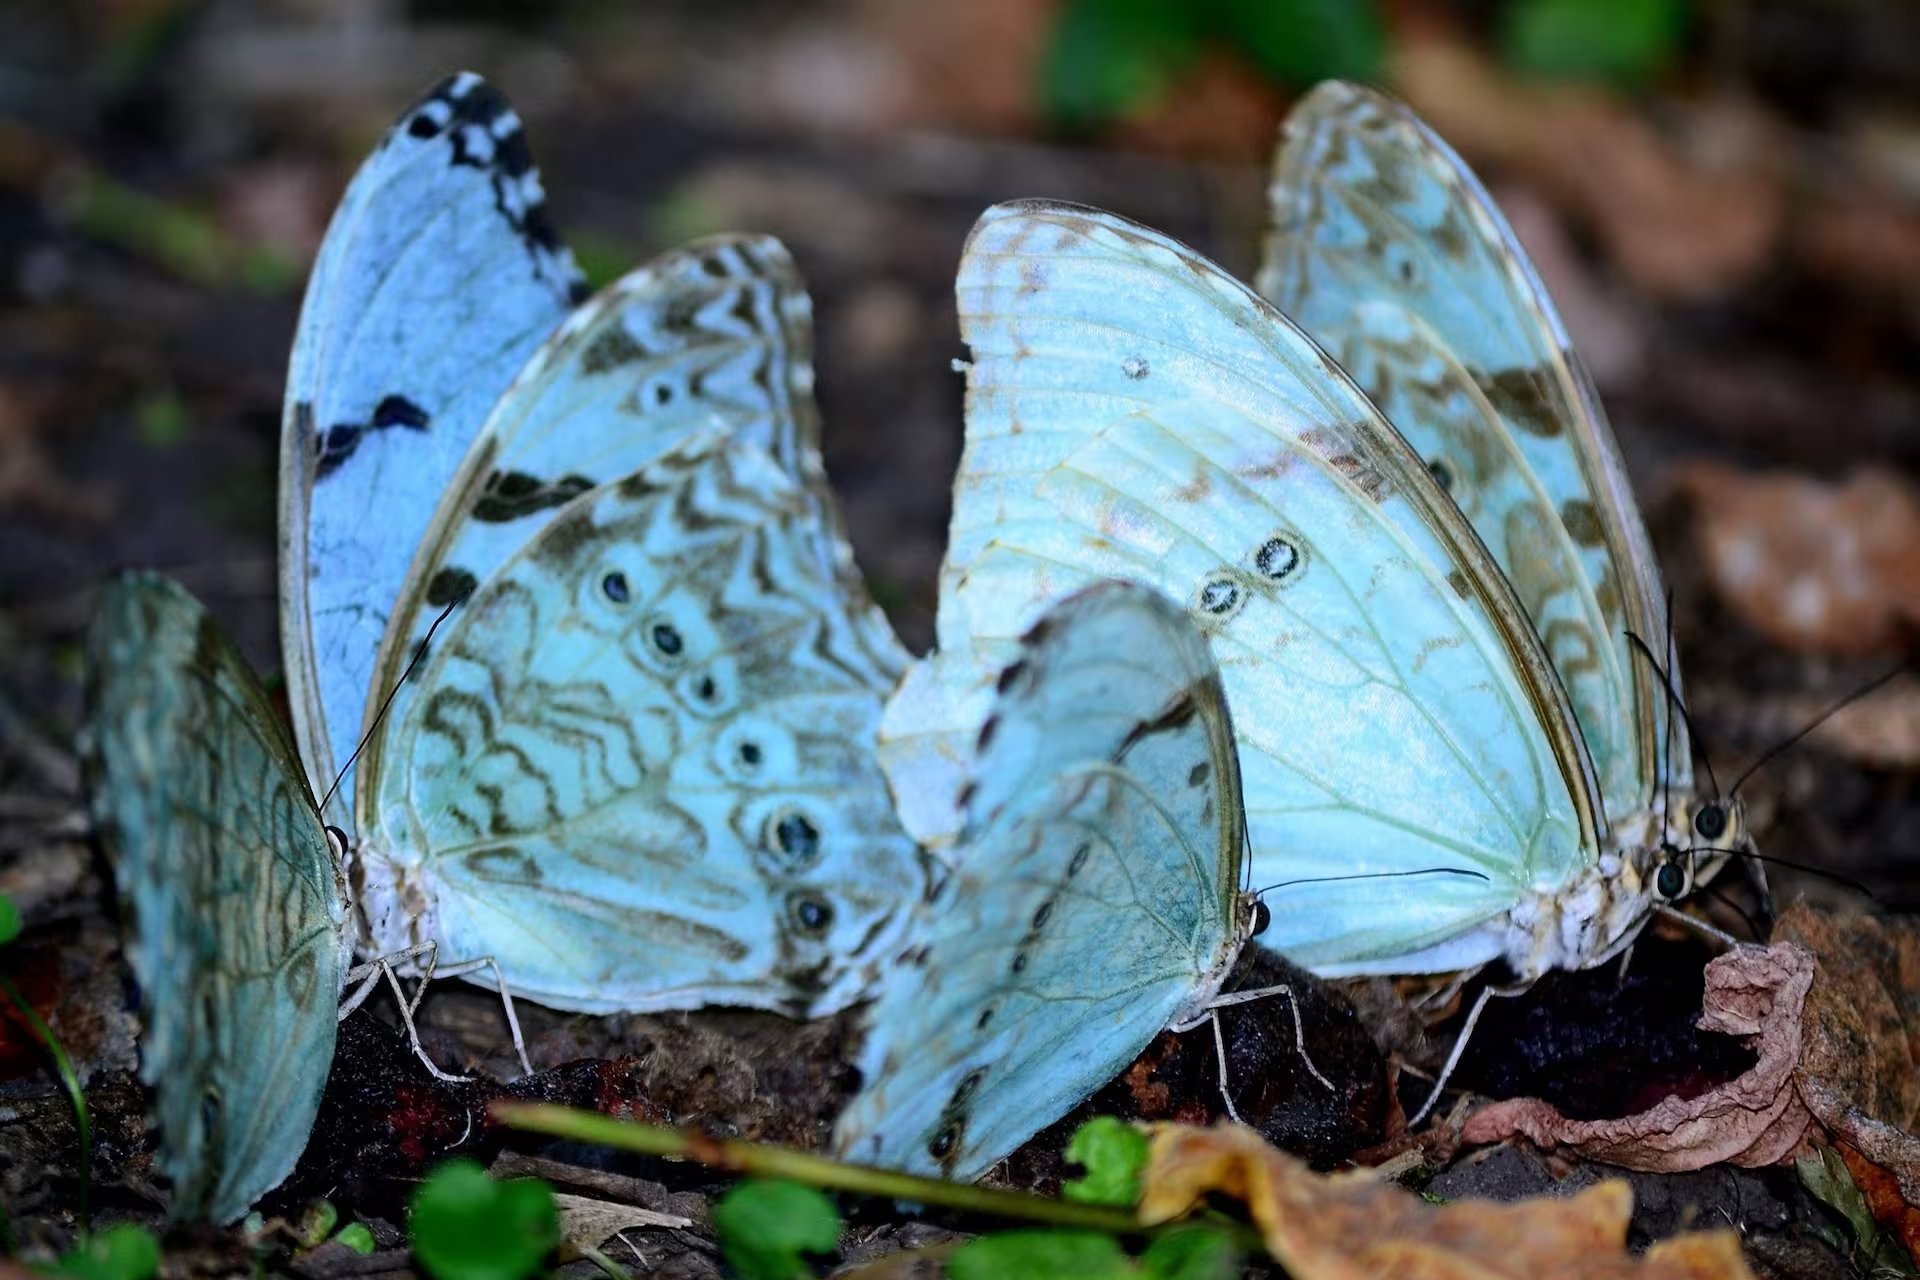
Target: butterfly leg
1212 1014
1460 1044
366 974
506 1001
1709 931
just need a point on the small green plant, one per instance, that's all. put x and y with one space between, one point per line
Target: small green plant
1865 1242
465 1225
318 1225
767 1226
1114 1155
1623 42
121 1252
1112 58
1190 1253
62 1064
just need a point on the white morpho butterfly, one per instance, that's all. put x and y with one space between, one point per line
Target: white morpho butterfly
1419 789
635 769
1095 896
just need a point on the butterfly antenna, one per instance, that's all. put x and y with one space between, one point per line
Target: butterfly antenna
419 654
1376 875
1673 700
1725 899
1767 756
1775 860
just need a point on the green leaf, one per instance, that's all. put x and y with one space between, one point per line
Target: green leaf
1625 42
765 1226
121 1252
9 920
1872 1249
465 1225
357 1237
1109 58
1042 1255
1114 1154
1191 1253
317 1223
1301 42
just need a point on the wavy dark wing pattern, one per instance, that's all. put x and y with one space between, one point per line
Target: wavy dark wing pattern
1391 254
234 906
716 335
1092 900
638 769
438 278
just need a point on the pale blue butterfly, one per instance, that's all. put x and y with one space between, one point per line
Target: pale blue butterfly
1095 896
637 769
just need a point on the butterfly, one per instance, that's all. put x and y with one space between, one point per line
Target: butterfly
1095 896
1421 794
635 766
236 910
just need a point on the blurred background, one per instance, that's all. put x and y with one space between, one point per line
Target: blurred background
1723 195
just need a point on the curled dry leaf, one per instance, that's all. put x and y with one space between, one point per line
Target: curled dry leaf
1755 1119
1832 1010
1820 567
1353 1226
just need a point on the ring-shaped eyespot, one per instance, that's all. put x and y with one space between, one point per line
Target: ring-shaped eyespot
1710 821
1219 598
1278 558
811 914
792 836
944 1141
1670 881
613 586
665 639
1262 917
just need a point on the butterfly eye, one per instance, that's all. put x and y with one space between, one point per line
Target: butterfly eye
1670 881
1261 919
337 841
1711 822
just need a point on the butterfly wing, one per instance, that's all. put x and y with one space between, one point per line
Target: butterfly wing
1134 412
639 767
1093 897
716 334
1391 254
438 278
235 911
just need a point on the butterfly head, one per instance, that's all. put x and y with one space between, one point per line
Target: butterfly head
1699 835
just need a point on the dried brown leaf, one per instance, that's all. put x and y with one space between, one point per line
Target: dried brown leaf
1755 1119
1353 1226
1815 566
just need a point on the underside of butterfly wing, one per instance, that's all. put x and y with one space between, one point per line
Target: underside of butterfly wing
1091 904
438 278
235 910
639 769
1391 254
